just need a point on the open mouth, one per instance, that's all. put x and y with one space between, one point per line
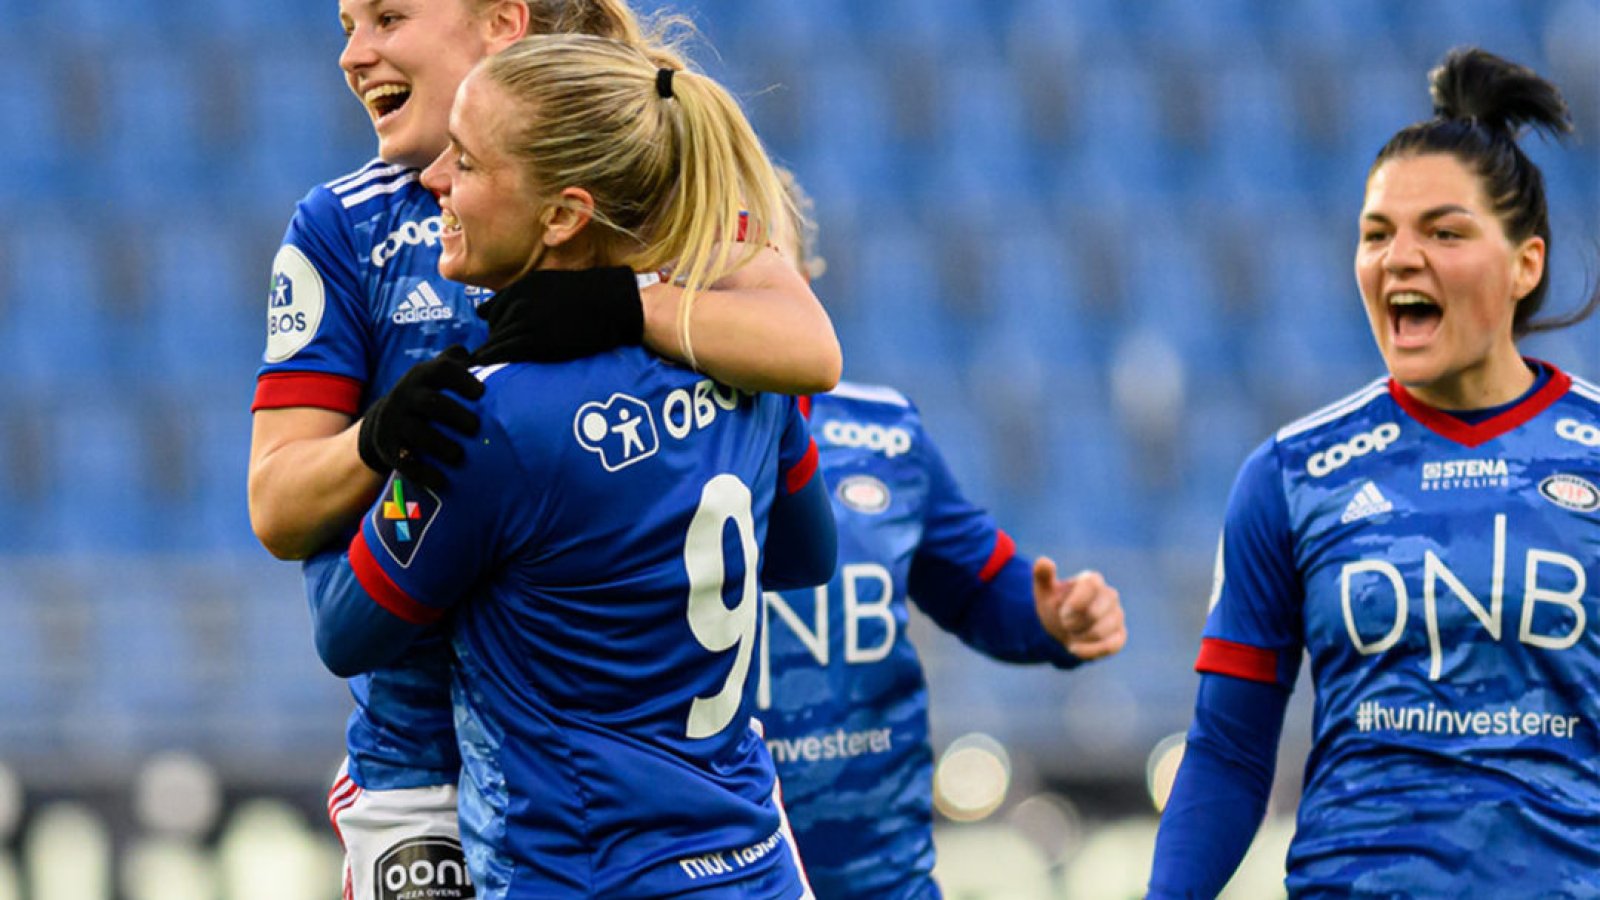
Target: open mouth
385 100
1413 317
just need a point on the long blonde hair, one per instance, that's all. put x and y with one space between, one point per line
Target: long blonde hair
670 174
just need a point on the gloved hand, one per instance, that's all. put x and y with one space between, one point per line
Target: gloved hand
399 431
555 315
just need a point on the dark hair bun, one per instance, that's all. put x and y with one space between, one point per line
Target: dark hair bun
1472 83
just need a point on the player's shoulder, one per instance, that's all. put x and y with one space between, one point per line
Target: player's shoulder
870 402
1357 411
1582 398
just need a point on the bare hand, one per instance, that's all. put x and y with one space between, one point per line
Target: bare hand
1082 612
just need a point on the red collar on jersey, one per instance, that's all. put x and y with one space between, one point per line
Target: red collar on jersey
1471 435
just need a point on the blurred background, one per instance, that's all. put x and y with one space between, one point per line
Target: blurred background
1105 245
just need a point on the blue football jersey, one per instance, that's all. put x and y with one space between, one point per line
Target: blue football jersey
599 550
842 694
1440 576
356 299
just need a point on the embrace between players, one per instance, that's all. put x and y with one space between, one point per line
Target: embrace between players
539 541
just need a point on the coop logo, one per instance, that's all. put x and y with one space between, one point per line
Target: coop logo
1337 456
891 442
294 307
1457 474
422 304
410 234
428 868
620 431
1570 492
1573 430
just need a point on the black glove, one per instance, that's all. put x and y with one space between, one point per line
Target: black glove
398 432
554 316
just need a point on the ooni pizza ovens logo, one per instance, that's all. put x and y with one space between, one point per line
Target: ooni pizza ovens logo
427 868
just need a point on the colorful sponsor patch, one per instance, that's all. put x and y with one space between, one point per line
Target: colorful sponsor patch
863 493
402 519
1571 492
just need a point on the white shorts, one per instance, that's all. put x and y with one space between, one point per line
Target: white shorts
399 843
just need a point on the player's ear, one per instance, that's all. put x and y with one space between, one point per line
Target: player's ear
503 23
570 214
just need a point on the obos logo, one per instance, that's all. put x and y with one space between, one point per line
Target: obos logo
891 442
1573 430
1571 492
409 234
620 431
294 309
1335 457
427 868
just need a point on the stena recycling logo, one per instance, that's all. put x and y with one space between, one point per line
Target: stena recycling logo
1337 456
424 868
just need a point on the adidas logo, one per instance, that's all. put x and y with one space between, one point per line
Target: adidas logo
422 304
1367 502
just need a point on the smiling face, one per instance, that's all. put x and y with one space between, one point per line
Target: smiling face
1440 281
404 59
494 218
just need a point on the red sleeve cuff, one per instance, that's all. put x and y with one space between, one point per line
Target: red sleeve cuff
800 474
382 589
280 390
1004 549
1221 657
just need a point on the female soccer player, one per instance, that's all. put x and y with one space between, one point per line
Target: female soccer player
842 694
357 301
599 546
1431 541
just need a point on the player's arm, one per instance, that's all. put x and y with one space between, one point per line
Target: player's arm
418 553
967 576
1221 791
306 481
312 471
1249 659
802 547
760 328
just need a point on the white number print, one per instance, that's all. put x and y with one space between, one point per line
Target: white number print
718 628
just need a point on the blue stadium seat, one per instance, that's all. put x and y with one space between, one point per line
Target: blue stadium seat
1254 159
1171 288
303 127
147 659
847 121
204 303
982 126
99 484
900 298
33 143
1123 152
1430 27
55 326
152 151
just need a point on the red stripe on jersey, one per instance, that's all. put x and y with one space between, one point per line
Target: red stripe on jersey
382 589
799 476
1004 549
805 405
1448 426
744 227
280 390
1239 660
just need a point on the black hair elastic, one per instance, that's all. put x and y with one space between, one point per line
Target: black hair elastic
664 83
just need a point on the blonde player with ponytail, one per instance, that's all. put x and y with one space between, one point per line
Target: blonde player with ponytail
600 553
358 380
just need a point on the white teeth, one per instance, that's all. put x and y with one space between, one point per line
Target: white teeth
1411 298
384 90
